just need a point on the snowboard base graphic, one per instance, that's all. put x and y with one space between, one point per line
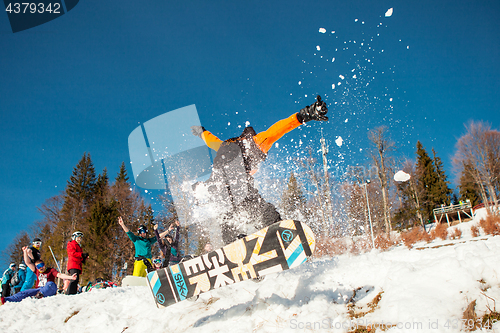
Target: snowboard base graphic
278 247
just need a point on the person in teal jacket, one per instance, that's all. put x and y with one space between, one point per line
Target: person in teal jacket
33 256
21 273
142 245
6 277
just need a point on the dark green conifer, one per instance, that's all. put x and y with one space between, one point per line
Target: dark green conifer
468 189
293 200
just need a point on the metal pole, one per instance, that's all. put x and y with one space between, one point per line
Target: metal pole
58 268
369 215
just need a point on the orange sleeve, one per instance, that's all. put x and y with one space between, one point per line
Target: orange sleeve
211 140
265 140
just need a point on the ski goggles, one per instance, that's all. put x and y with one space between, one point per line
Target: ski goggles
37 244
40 266
156 261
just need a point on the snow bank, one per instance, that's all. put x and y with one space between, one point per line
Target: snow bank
420 290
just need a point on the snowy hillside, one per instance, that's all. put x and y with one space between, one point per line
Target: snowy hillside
418 290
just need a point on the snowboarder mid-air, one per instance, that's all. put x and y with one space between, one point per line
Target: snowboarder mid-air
240 208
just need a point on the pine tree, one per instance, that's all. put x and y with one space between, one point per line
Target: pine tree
409 213
468 189
102 184
293 200
122 174
356 209
440 191
81 185
426 179
78 200
98 238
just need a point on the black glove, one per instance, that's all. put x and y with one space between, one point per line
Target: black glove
197 130
84 257
315 111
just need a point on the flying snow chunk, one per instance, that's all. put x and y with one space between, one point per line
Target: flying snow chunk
322 30
300 82
318 48
333 85
341 76
401 176
388 13
339 141
247 123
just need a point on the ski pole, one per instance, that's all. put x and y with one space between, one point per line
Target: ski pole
58 268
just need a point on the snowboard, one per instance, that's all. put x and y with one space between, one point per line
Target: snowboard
278 247
131 280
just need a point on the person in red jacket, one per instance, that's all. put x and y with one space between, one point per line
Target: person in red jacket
76 259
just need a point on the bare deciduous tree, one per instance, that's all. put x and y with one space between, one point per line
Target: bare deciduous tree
383 146
479 148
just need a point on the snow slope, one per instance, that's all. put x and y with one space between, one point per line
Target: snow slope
420 290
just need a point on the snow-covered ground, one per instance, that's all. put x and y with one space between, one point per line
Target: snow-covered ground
425 289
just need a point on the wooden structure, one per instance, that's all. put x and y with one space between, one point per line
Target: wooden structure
453 212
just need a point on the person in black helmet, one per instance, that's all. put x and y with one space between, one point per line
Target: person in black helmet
34 255
243 210
142 245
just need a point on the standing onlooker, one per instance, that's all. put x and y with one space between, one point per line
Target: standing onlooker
165 243
34 255
76 259
175 254
21 275
7 276
142 245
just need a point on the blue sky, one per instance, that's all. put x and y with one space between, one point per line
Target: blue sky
84 81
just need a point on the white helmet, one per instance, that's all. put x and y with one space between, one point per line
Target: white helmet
77 234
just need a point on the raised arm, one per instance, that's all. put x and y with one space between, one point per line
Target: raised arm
177 227
163 234
210 140
27 259
122 224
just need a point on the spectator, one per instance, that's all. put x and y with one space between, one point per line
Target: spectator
165 243
142 246
76 259
7 276
34 255
175 254
21 275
